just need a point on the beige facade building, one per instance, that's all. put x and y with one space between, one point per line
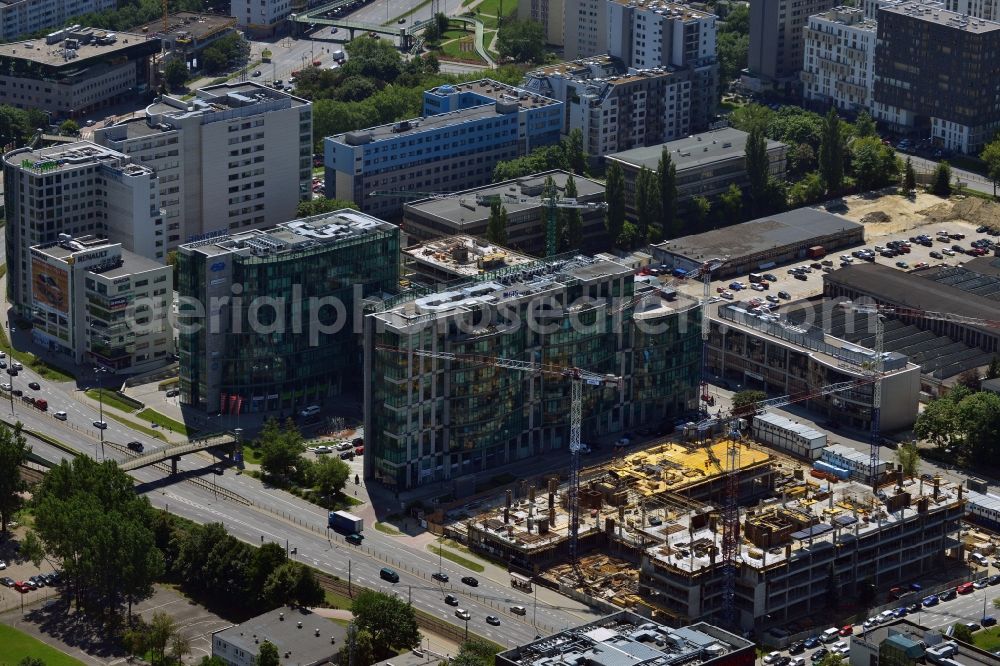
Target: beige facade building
839 59
549 13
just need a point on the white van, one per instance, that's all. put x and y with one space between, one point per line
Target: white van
830 635
311 410
980 559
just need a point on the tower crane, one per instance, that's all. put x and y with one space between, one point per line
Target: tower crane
551 203
577 376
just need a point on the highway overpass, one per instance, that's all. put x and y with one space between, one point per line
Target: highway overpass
315 16
226 441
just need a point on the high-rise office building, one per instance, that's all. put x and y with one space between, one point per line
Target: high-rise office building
25 17
937 72
429 420
209 156
776 42
80 189
268 319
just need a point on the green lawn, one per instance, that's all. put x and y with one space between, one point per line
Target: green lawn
17 645
988 639
251 455
334 600
135 426
457 559
111 399
454 49
386 528
164 421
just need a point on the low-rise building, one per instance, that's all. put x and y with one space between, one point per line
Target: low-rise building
838 65
762 244
187 34
76 70
468 212
432 420
458 258
707 163
617 107
80 189
788 435
97 303
752 350
626 637
466 129
269 318
209 156
302 638
850 463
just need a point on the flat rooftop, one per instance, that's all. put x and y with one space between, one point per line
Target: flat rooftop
464 256
626 639
36 50
669 9
934 12
304 233
692 152
193 24
495 92
71 156
289 629
848 16
472 207
218 98
815 516
672 467
794 227
580 68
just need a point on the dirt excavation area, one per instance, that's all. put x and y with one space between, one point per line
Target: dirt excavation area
888 214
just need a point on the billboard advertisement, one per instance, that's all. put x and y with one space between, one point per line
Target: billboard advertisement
50 286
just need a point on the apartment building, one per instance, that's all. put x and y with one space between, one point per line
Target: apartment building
466 129
76 70
548 13
984 9
80 189
938 74
269 317
430 420
25 17
707 163
667 34
838 68
617 107
97 303
788 549
209 156
586 21
777 42
260 18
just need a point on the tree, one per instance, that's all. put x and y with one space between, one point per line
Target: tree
281 448
474 653
373 58
733 50
971 379
267 654
521 41
809 189
864 126
14 451
938 422
979 416
321 205
909 177
307 591
832 659
702 208
941 180
647 203
747 399
390 621
179 646
572 220
801 160
731 205
991 155
575 153
212 661
330 475
69 127
213 59
442 21
358 641
960 632
666 173
873 163
614 192
161 629
279 587
908 456
175 73
831 152
994 370
630 237
31 661
758 166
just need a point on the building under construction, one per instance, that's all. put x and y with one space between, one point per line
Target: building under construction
802 553
617 501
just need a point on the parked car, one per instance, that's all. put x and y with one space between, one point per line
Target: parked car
798 647
785 295
811 642
846 630
936 255
964 588
173 392
948 595
771 657
7 581
819 655
988 621
347 455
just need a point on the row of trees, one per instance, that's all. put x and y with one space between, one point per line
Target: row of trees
281 449
568 155
964 423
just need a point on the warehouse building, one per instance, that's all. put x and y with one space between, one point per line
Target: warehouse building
468 212
785 434
763 243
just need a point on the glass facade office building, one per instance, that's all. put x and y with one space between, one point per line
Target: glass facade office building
431 419
268 317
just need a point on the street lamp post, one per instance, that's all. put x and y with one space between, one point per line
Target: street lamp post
10 365
100 401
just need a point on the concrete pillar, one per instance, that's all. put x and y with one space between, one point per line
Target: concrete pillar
173 464
510 498
506 515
